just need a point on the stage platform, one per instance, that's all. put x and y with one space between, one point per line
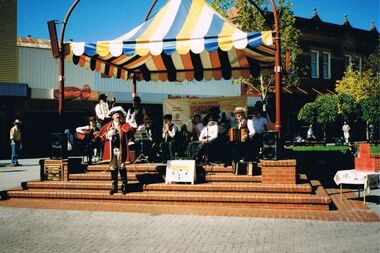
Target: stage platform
218 186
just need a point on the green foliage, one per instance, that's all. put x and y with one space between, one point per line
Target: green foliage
359 84
370 109
348 108
342 149
308 113
251 20
327 109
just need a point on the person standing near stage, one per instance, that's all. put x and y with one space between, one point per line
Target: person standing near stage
259 126
15 137
116 152
346 132
102 110
242 146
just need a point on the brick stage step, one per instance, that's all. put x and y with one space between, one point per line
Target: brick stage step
267 200
154 167
207 187
157 177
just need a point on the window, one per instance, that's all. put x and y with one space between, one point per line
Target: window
314 64
326 65
347 61
357 63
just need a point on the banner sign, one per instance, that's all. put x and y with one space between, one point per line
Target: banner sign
180 171
183 110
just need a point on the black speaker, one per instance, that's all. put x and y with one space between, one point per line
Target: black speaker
58 146
270 145
53 38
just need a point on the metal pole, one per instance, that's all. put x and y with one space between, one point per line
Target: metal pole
61 63
150 10
277 69
134 78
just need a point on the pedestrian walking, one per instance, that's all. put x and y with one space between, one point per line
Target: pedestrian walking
15 137
346 132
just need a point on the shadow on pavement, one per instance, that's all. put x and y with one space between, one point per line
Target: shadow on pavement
10 171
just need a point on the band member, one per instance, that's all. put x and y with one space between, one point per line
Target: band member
196 127
102 110
259 125
242 139
152 143
89 137
169 132
135 115
207 138
116 151
183 138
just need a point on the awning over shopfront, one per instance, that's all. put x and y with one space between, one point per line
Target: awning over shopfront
185 40
13 89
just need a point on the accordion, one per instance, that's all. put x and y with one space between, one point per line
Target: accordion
237 134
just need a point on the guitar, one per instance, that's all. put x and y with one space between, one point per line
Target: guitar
86 132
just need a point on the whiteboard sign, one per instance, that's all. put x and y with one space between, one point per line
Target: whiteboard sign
180 171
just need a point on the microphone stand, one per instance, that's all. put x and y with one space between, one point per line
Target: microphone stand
142 157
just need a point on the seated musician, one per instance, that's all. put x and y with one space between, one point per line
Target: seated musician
151 146
196 128
88 135
183 139
242 141
168 145
207 138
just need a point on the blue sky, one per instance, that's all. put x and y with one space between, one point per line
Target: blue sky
94 20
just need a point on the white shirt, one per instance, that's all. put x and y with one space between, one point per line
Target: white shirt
251 129
101 110
258 124
171 133
210 132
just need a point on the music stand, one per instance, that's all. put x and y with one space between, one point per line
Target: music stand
142 135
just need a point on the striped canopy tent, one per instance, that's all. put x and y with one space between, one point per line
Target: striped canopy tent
185 40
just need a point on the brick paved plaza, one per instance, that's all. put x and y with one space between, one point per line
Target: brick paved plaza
35 230
86 226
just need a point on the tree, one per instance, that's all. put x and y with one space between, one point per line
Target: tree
360 85
250 19
348 108
308 113
327 111
370 109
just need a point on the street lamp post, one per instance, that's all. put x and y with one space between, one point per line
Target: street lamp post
277 63
277 69
61 63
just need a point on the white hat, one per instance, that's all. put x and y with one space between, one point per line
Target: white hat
239 110
17 121
117 109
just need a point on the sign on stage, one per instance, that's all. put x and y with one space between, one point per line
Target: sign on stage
180 171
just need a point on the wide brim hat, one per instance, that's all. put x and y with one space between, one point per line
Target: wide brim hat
239 110
117 109
17 121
